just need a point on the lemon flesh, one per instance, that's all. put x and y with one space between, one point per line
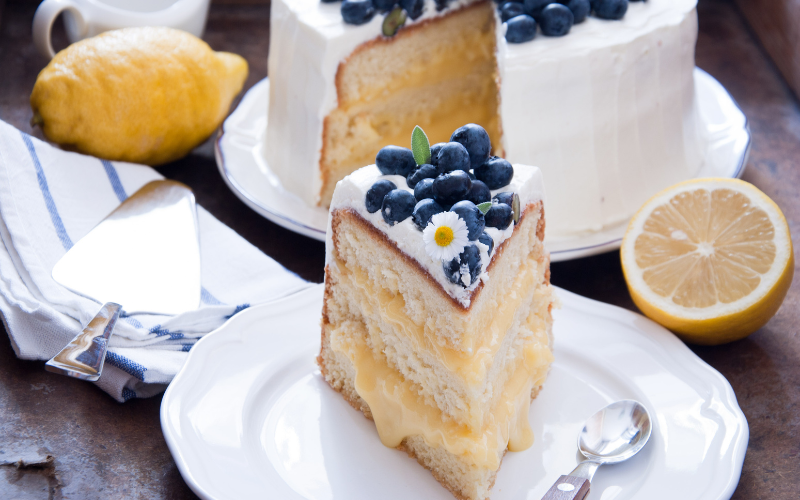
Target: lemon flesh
710 259
144 95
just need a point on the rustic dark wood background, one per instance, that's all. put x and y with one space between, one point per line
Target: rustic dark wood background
103 449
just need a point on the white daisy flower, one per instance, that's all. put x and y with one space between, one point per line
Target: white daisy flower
446 236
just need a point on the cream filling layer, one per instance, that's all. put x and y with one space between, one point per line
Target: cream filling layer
399 412
471 364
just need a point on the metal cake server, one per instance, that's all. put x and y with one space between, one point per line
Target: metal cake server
144 256
610 436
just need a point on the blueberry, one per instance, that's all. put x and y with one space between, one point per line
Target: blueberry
423 189
610 9
451 187
496 172
510 199
506 197
394 160
423 172
376 193
580 9
520 29
423 211
556 20
467 263
384 5
357 11
472 215
476 140
398 205
479 193
499 216
435 153
329 1
511 9
441 5
535 7
413 7
487 240
453 156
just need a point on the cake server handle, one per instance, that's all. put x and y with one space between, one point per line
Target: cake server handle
83 358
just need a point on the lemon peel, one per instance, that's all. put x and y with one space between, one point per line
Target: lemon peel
144 95
710 259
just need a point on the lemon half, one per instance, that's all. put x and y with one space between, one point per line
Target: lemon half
710 259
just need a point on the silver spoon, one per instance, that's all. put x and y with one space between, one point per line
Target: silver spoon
610 436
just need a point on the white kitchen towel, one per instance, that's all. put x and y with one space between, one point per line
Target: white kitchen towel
49 199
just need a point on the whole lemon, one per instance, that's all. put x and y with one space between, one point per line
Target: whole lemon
144 95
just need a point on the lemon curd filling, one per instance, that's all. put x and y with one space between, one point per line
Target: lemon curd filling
470 363
399 412
482 434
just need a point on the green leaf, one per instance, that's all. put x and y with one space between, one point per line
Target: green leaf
393 21
420 146
515 208
484 207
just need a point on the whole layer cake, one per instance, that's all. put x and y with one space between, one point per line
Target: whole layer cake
608 112
445 365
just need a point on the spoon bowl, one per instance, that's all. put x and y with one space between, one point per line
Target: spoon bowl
610 436
615 433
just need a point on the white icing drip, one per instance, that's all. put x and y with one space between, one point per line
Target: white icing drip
607 111
352 190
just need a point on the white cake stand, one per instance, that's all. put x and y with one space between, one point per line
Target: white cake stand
241 162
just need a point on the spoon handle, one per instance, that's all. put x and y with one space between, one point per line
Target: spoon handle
568 488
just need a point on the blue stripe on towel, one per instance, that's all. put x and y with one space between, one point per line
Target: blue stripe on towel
209 299
113 177
61 231
133 321
127 394
158 331
126 365
239 308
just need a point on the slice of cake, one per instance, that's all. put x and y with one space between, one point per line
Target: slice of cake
436 320
607 111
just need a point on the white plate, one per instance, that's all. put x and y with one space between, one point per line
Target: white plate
249 415
242 164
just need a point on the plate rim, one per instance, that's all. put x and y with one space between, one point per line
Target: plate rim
673 347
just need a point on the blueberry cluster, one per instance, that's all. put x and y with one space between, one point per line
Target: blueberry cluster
555 18
396 11
459 177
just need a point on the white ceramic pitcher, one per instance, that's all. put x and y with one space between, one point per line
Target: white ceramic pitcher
86 18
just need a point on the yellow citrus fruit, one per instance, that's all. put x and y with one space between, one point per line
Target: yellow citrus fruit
145 95
710 259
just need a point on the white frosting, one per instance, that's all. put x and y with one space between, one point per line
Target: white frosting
351 193
608 111
308 40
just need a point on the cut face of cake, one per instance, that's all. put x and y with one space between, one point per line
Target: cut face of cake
437 323
608 111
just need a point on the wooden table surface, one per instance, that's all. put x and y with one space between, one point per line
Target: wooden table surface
103 449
